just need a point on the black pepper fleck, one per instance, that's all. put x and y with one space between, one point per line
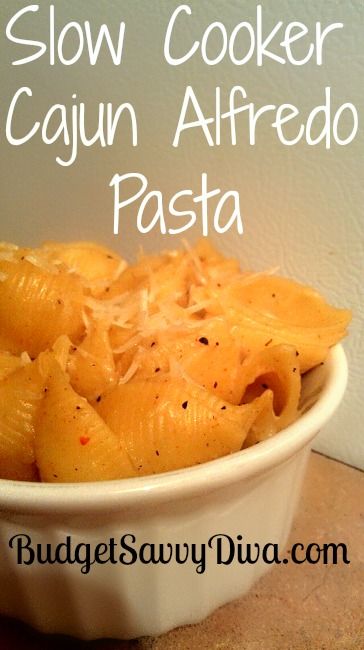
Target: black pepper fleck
203 340
215 384
185 404
98 398
223 408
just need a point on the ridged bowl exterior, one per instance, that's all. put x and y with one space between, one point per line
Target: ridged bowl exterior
252 494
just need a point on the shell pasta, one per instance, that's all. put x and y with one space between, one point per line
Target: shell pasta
110 370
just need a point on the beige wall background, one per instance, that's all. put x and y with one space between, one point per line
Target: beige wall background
302 206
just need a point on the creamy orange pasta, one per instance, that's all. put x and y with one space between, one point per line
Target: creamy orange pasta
110 370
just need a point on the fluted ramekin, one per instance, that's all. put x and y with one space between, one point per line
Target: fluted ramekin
251 494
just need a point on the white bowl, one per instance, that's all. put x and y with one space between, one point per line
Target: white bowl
252 493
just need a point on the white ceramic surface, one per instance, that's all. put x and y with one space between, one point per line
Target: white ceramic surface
252 493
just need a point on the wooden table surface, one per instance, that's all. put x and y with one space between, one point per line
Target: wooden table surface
295 607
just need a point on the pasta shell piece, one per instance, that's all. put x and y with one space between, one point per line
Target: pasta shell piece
293 303
72 442
257 331
284 311
266 423
212 367
171 282
216 359
91 365
8 363
135 275
210 356
156 353
216 369
169 423
273 369
96 264
20 396
36 306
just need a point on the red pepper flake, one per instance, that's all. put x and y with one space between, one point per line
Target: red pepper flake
78 407
152 344
217 343
268 342
185 404
157 452
223 408
157 369
45 390
203 340
297 353
215 384
98 398
84 440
